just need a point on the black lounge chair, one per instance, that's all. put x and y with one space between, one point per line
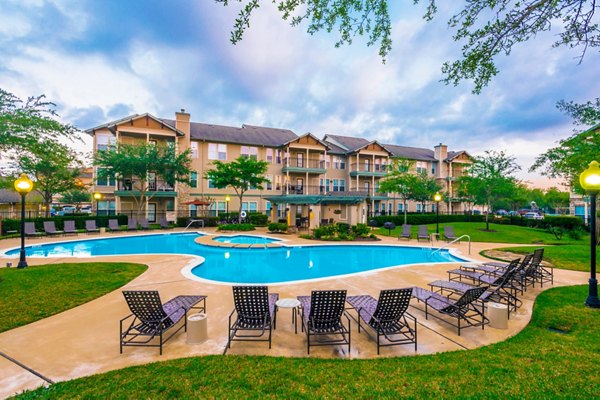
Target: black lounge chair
31 231
150 319
387 316
464 309
90 226
132 224
255 312
50 228
164 224
423 233
449 234
322 313
113 225
70 227
144 223
480 277
406 232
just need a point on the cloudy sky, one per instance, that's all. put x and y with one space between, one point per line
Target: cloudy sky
103 60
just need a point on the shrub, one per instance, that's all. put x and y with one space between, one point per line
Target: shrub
305 236
361 229
422 219
575 234
277 227
342 227
258 219
236 227
557 231
324 232
567 222
208 221
102 221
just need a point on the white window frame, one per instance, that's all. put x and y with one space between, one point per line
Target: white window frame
250 152
217 151
194 149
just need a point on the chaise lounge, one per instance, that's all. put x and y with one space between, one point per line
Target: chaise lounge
50 228
406 232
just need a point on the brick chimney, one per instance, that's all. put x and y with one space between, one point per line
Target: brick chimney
182 122
440 153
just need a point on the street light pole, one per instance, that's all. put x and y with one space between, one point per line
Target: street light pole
437 198
590 182
23 185
227 200
97 197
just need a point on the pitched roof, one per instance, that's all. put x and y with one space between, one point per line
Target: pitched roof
112 125
347 143
308 134
8 196
411 153
247 134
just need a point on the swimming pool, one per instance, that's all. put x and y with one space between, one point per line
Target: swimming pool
250 265
245 239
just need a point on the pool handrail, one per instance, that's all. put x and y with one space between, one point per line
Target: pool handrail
452 242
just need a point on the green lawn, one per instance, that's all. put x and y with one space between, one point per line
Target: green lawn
37 292
565 253
554 356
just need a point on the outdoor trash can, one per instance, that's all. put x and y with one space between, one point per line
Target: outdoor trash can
197 330
498 315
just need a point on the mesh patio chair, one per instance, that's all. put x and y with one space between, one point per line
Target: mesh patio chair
90 226
70 227
255 315
465 309
449 234
406 232
423 233
50 228
480 277
164 224
113 225
31 231
151 319
144 223
132 224
322 313
387 316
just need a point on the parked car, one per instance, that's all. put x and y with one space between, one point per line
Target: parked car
502 212
86 209
533 215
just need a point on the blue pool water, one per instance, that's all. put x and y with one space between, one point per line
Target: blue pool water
253 265
244 239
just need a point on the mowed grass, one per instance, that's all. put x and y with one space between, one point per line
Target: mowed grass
575 257
553 357
37 292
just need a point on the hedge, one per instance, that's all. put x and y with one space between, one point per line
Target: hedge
423 219
182 222
236 227
255 218
101 221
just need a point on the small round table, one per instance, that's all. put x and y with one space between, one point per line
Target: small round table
293 304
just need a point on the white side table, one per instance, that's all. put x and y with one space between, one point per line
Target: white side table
293 304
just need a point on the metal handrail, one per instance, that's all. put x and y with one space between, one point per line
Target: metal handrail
454 241
192 221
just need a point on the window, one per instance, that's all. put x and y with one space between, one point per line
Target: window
336 185
432 168
249 206
269 184
106 207
217 151
193 210
152 181
433 208
103 141
339 163
170 205
390 208
421 167
419 207
250 152
104 181
277 182
400 207
193 179
211 185
342 185
194 149
270 155
278 152
267 207
367 165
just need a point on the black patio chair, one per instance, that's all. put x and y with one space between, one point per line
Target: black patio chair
113 225
387 316
70 227
406 232
150 319
31 231
449 234
423 233
322 313
90 226
255 315
465 309
50 228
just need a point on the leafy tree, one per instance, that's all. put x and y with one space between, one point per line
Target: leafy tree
54 167
424 189
490 177
24 123
399 180
76 197
134 164
486 28
241 174
557 200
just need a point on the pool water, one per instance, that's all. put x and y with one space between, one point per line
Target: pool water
251 265
245 239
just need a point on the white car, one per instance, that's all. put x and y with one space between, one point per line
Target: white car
533 215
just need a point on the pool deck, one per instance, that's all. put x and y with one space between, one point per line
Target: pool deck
84 340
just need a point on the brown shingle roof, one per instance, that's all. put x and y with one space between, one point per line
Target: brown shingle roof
347 143
411 153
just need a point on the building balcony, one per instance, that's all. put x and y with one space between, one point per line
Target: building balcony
362 169
312 166
155 189
374 194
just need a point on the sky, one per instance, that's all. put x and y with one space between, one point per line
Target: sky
103 60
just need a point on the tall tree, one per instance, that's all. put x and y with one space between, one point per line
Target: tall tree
557 200
24 123
241 174
54 167
486 28
399 180
424 188
76 197
136 164
491 176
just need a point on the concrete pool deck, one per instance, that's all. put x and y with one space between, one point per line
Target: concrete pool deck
84 340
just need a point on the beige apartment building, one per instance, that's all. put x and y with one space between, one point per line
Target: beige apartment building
311 180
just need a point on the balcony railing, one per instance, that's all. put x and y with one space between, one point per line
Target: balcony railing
361 167
311 189
155 186
304 163
369 192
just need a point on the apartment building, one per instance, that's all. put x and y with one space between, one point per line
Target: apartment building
310 179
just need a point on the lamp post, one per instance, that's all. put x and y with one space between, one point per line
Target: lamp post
23 185
590 182
227 200
437 198
97 197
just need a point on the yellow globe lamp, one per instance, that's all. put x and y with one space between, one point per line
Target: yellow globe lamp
437 198
590 182
590 178
23 185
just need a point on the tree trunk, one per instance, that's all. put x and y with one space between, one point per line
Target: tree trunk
487 218
405 212
240 209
